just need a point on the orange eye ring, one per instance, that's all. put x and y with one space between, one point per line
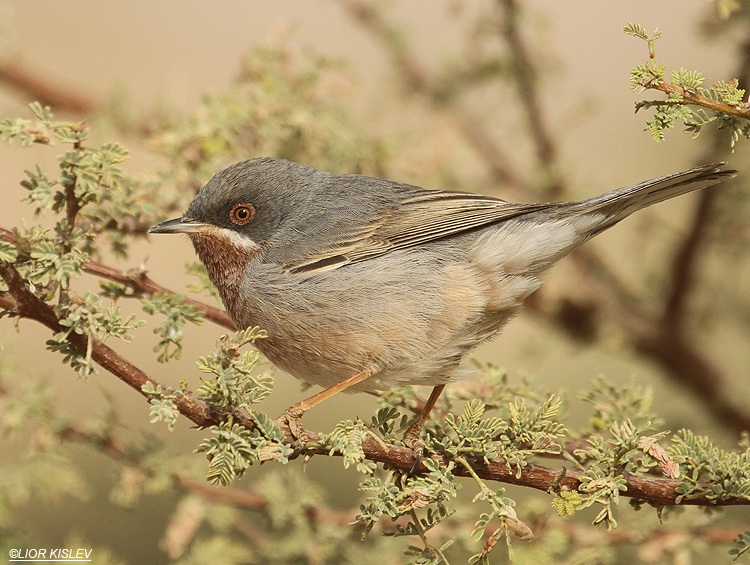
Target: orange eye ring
241 214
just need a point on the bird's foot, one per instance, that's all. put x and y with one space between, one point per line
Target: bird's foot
412 441
292 418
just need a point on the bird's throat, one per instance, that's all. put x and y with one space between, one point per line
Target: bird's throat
225 255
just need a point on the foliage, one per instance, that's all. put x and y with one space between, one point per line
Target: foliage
171 330
725 99
346 439
723 473
743 543
233 387
51 259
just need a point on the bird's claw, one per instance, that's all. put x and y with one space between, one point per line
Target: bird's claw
412 441
293 420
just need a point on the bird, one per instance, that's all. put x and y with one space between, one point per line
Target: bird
365 284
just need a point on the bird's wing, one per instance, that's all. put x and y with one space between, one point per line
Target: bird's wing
428 216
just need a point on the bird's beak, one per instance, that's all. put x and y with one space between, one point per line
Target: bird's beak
179 225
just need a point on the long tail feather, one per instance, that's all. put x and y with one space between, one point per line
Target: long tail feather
620 203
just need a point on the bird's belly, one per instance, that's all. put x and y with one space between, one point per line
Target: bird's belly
410 330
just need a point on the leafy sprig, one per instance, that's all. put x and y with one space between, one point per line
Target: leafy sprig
52 259
347 438
172 328
687 100
231 382
233 385
727 473
162 401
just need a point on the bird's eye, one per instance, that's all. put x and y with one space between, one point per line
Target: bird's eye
242 214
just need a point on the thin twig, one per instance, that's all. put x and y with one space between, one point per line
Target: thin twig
138 280
72 207
695 99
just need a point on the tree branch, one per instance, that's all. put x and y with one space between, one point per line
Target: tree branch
22 302
656 491
36 88
247 500
138 280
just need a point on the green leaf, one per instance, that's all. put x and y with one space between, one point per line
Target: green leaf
689 80
636 31
743 543
565 502
8 252
232 382
43 113
347 438
172 328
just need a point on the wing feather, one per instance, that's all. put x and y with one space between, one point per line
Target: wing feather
416 220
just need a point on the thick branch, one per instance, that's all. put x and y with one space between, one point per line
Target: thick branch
653 490
251 501
22 302
254 502
36 88
247 500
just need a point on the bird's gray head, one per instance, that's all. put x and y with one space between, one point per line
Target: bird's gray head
238 212
246 202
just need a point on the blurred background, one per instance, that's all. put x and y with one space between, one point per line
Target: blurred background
436 103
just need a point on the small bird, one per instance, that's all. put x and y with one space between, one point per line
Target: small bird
364 283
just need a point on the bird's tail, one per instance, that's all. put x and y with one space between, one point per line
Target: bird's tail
618 204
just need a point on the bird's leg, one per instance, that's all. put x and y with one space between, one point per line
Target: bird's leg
411 436
293 415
